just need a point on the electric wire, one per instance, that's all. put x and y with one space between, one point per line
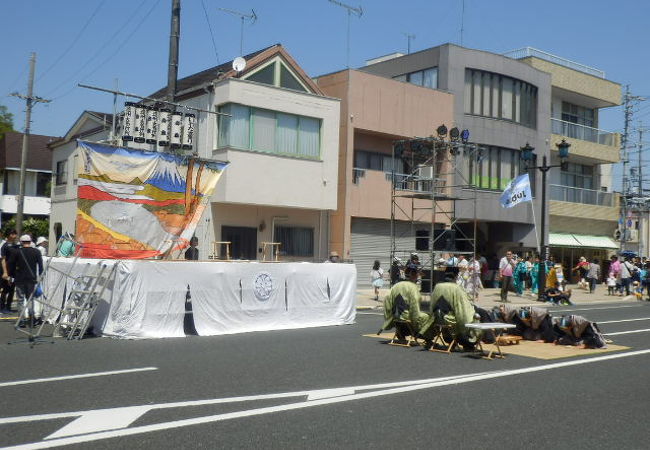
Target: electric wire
207 19
17 79
112 55
99 51
74 41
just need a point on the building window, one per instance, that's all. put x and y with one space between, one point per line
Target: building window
12 182
426 78
283 77
496 168
43 181
61 172
295 241
578 176
377 161
492 95
269 131
578 114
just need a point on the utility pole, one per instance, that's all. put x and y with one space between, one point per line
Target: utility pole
409 37
174 36
29 101
628 103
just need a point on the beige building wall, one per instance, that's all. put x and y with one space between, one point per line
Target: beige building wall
376 111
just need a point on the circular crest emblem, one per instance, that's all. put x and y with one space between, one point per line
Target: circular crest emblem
263 286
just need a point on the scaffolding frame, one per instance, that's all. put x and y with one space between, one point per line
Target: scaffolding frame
432 173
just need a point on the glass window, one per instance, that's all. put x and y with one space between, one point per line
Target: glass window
309 138
416 78
289 81
12 182
287 133
506 98
295 241
43 184
62 172
264 130
265 75
430 78
234 129
492 95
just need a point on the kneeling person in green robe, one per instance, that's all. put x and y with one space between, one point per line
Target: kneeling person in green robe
450 306
403 303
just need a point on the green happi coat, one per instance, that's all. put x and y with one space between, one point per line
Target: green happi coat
410 292
462 309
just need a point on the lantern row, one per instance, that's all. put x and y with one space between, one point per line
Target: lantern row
159 126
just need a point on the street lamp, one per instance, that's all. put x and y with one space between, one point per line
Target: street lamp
528 156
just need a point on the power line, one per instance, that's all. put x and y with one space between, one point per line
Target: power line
100 50
74 41
122 44
20 75
207 19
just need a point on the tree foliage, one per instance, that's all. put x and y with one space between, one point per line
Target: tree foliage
6 121
31 225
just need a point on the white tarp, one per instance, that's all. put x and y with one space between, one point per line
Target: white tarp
146 299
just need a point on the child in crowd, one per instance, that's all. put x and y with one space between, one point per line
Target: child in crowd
611 284
637 289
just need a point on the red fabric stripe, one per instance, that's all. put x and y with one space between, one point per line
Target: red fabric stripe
92 193
100 251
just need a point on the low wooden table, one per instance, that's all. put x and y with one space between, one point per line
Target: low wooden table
497 328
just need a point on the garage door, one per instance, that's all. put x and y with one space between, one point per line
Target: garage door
371 241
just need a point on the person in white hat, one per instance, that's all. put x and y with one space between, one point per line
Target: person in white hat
41 245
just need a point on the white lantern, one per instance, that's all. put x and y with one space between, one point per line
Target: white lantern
175 130
152 125
163 127
140 123
188 131
129 117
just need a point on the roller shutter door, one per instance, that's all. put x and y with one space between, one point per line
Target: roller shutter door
371 241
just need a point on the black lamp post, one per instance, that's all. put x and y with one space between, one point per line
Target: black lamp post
528 156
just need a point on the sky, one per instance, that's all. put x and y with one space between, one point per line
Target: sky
97 42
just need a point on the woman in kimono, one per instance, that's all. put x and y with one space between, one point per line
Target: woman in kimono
469 278
534 276
576 330
538 324
519 276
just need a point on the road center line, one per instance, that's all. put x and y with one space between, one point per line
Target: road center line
73 377
624 320
627 332
308 404
594 309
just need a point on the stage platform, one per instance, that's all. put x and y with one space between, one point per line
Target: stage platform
147 298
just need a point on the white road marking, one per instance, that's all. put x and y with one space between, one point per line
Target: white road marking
409 386
73 377
596 308
624 320
627 332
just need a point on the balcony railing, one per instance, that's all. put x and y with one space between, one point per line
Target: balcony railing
582 132
581 195
527 52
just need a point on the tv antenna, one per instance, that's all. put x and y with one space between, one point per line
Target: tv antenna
409 37
252 18
351 10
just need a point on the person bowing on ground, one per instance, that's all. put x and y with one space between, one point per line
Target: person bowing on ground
403 303
538 324
576 330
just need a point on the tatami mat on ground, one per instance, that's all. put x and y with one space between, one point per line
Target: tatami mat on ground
532 349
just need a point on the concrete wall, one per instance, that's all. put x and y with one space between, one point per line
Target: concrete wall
266 179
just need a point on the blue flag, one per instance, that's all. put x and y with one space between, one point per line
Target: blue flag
517 191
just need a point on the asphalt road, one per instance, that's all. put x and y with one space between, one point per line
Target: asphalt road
324 388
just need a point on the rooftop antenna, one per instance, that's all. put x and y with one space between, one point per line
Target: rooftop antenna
252 17
351 10
409 36
462 23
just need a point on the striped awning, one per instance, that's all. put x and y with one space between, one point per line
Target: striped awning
580 240
562 240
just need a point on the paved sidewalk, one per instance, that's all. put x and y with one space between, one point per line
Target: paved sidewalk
491 297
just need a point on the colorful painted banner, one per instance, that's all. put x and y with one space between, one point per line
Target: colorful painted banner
135 204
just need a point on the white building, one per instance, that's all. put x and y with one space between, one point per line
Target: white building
281 140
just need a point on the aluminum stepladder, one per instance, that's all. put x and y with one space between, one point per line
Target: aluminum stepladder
82 301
